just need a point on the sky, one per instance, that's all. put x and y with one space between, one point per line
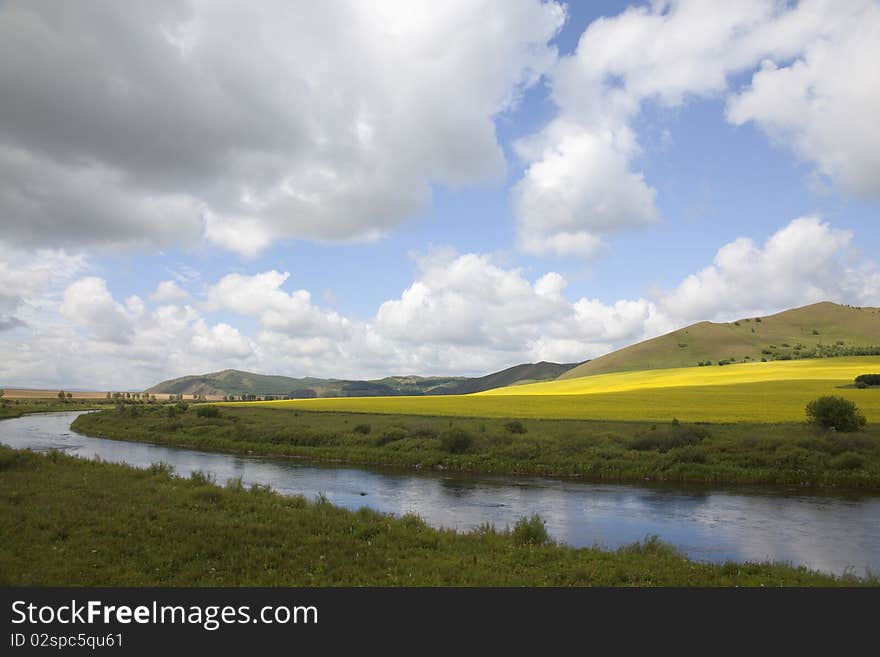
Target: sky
357 190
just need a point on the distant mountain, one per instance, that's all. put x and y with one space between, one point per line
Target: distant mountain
238 383
516 375
821 329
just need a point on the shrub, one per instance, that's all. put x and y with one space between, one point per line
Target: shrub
203 478
161 468
663 440
868 379
688 454
391 435
847 461
515 426
363 428
530 531
456 441
836 413
208 411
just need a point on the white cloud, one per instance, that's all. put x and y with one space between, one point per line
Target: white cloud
802 263
29 281
824 105
461 314
160 123
467 300
169 291
89 304
578 186
260 296
220 341
816 92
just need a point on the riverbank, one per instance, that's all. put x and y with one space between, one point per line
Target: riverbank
10 408
73 522
711 454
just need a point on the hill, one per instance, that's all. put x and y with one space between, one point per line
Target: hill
238 383
512 376
821 329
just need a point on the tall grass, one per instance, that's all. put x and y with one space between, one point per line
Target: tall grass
714 454
73 522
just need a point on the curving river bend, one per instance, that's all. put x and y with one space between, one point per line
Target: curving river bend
828 532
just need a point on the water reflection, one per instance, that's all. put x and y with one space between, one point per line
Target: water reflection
826 532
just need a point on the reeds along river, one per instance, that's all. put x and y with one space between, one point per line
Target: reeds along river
829 532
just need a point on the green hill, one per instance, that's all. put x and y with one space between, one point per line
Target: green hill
512 376
818 330
238 383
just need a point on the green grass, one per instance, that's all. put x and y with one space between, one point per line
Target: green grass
72 522
18 407
715 454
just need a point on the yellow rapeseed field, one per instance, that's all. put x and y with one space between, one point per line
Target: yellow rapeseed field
820 369
759 392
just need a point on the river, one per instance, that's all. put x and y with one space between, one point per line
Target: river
831 532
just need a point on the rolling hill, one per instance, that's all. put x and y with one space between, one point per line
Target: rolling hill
512 376
238 383
820 329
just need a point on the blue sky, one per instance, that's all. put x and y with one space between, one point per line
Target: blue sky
656 167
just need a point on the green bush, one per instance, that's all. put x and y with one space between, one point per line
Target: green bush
847 461
363 428
530 531
838 413
868 379
208 411
161 468
515 426
663 440
392 435
456 441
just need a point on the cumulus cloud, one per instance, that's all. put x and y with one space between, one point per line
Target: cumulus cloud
169 291
578 187
824 105
815 92
802 263
461 314
167 121
88 303
261 296
29 281
468 300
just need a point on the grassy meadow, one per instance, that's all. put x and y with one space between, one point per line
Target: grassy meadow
73 522
723 425
599 450
18 407
750 392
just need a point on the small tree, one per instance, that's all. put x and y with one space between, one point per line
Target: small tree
61 394
836 413
456 441
530 531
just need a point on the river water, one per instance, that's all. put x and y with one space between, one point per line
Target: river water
829 532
